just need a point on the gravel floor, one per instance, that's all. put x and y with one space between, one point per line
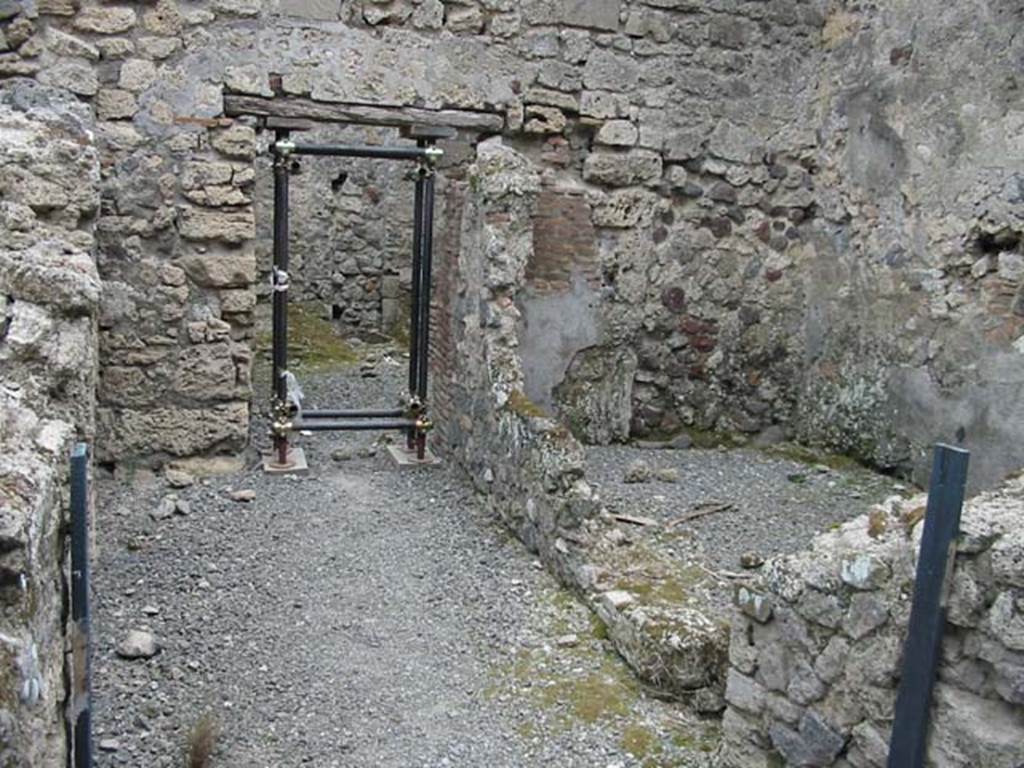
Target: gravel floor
767 504
361 615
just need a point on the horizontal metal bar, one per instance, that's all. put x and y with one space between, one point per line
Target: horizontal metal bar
318 425
367 414
349 150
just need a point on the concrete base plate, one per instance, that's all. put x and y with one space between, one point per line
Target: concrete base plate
296 463
405 458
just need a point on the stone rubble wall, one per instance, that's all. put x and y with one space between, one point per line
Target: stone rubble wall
529 467
817 644
853 279
175 227
792 235
49 300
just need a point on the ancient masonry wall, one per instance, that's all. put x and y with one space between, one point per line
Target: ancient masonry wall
49 299
817 644
528 466
768 204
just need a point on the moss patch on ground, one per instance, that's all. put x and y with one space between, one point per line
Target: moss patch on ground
314 344
803 454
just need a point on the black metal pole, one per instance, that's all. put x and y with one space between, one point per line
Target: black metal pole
425 273
417 263
348 150
81 642
922 650
381 413
279 283
323 425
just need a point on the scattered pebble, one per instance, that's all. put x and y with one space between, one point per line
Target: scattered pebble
109 745
343 454
138 645
667 475
244 495
751 560
168 504
177 478
638 471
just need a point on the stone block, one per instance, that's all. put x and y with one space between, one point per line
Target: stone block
64 44
115 104
137 75
541 119
320 10
105 20
814 743
1006 621
603 105
221 269
864 572
593 14
868 611
744 693
610 71
76 76
617 133
624 208
832 662
225 226
640 167
237 141
171 430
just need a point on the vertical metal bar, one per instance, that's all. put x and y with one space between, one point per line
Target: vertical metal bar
417 251
428 257
414 307
922 650
280 295
81 644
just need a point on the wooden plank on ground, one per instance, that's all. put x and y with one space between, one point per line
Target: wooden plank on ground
928 613
296 108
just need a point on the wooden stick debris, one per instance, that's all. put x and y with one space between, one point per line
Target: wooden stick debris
703 509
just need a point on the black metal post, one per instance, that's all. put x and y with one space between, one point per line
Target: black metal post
922 649
425 278
279 282
81 645
414 309
370 413
323 425
348 150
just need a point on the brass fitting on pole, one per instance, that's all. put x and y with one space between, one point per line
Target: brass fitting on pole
282 423
413 407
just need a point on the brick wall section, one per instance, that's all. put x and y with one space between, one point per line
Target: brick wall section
564 243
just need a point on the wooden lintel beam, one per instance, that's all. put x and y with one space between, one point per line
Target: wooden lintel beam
295 108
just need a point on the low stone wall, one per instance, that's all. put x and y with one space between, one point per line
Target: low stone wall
816 645
529 467
49 297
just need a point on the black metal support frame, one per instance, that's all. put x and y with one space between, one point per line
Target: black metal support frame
411 419
80 715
